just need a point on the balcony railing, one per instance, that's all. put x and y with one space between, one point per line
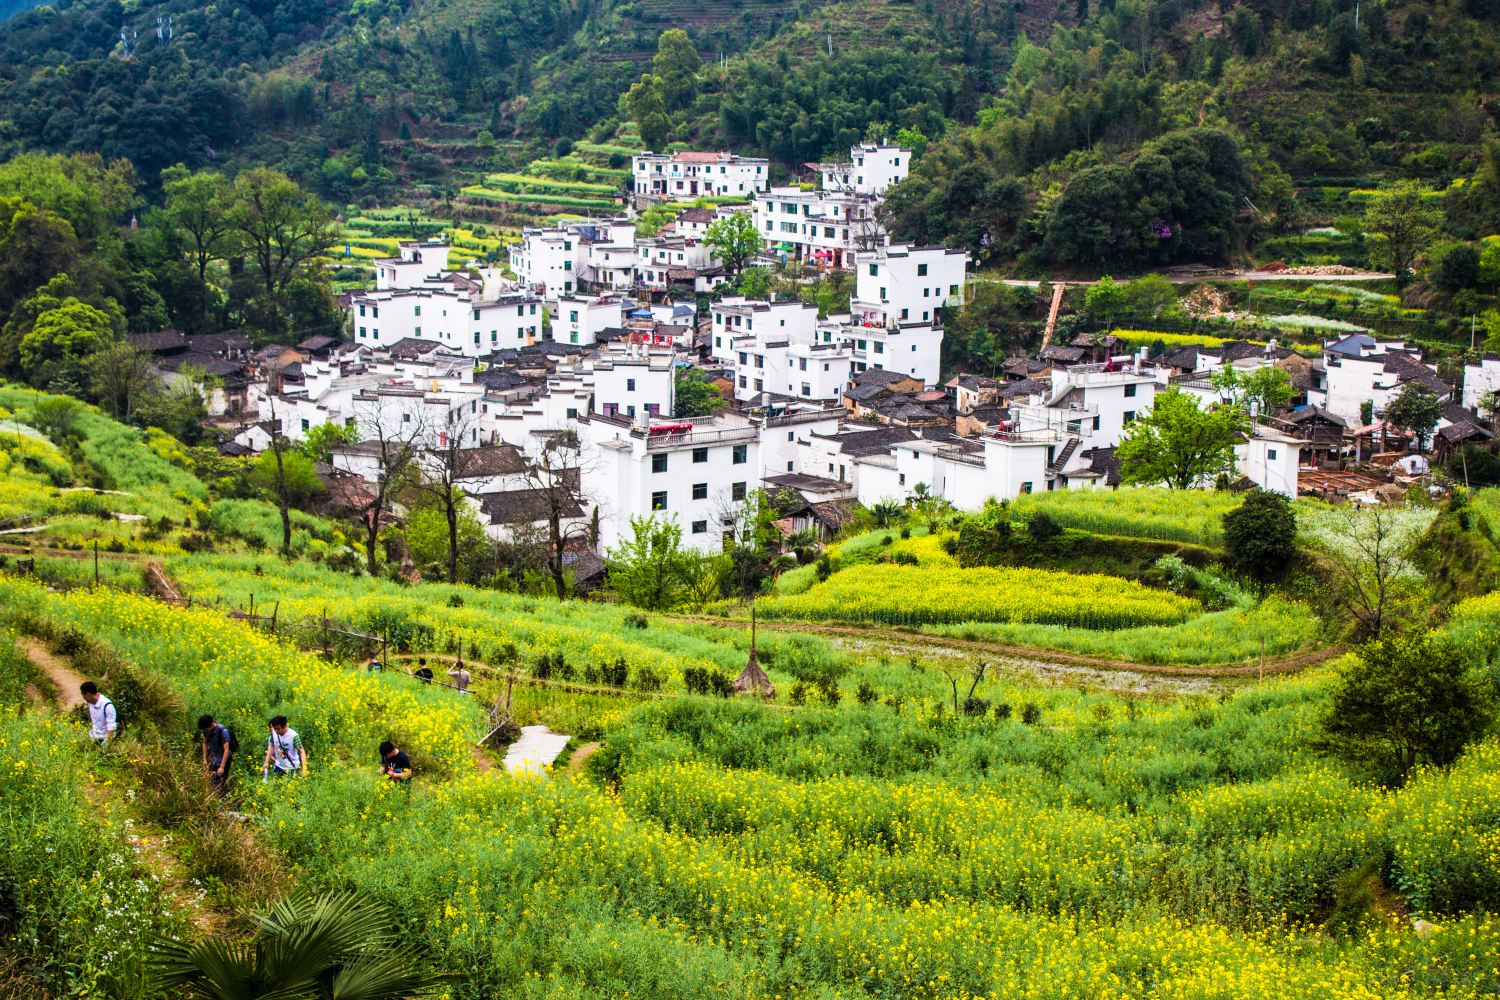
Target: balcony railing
697 438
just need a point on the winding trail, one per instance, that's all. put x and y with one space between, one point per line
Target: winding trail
151 846
581 757
63 678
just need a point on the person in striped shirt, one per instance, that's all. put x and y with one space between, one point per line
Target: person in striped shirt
284 754
104 721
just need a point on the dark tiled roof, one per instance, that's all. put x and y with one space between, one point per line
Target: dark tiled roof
159 341
496 460
1065 355
319 343
1103 460
1026 387
209 363
525 506
1408 369
875 442
878 376
411 348
220 343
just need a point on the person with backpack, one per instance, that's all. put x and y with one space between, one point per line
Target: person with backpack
423 672
219 747
284 754
104 721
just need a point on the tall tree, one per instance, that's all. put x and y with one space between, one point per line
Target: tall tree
555 473
733 240
197 207
1402 224
119 375
397 443
61 338
675 67
1416 409
1178 443
695 395
451 458
644 104
287 477
1260 391
283 229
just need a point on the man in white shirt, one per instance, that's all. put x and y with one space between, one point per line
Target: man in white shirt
285 757
104 721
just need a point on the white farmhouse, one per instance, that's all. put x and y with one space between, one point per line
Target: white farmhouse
692 174
459 321
871 169
694 472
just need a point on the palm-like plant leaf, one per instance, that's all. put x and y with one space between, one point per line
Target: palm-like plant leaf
306 936
392 975
216 969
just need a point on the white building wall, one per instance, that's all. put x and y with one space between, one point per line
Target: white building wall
1480 379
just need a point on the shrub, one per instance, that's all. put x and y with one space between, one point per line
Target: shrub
1042 527
1030 713
865 694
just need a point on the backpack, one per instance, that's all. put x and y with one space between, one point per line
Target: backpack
231 740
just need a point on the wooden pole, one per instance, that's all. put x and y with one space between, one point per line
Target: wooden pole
96 562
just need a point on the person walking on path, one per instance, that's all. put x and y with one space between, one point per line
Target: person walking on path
460 677
104 721
219 747
423 672
284 754
375 665
394 763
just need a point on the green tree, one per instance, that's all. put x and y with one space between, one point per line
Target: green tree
428 540
1264 389
1150 295
62 337
118 376
644 104
318 443
1401 224
755 283
1488 273
1260 537
197 208
1104 300
80 187
696 396
1406 701
675 66
1416 409
733 240
283 229
35 245
303 946
650 567
1178 443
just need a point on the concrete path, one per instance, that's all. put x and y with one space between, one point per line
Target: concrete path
535 751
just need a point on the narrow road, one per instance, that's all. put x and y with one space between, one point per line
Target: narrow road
1193 279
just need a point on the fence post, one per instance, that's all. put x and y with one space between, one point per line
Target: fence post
274 609
96 562
325 634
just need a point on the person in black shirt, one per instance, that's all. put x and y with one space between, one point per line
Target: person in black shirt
394 763
423 672
219 745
